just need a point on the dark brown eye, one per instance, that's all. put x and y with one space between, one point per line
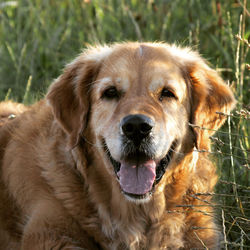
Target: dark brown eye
111 93
166 93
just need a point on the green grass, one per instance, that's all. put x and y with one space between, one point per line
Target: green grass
38 37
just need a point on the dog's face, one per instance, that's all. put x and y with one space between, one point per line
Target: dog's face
138 100
140 111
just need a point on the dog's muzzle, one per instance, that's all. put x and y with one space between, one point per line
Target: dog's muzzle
137 171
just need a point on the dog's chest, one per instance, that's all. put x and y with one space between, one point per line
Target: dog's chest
121 233
142 233
138 233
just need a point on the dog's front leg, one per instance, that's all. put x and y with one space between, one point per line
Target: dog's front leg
51 227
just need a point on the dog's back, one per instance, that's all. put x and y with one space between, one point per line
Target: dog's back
9 110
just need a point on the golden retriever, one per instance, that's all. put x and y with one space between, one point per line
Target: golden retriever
109 159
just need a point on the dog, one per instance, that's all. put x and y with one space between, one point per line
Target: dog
115 154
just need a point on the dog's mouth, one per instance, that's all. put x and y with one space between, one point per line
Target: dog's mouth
138 177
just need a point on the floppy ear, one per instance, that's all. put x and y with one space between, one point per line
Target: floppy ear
69 94
210 95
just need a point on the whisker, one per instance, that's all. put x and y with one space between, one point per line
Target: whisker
172 149
92 144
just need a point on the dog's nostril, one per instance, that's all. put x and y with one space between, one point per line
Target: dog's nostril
145 128
128 128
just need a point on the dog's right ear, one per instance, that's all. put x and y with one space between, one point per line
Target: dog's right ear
69 94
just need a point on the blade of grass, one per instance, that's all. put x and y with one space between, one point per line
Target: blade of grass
27 90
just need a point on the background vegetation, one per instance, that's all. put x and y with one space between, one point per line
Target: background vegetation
38 37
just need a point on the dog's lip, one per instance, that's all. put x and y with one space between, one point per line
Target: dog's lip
140 196
160 168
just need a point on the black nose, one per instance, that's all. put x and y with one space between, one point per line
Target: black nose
136 127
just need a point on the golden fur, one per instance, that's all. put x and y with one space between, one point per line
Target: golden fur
58 188
9 110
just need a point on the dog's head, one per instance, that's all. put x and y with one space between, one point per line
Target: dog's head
138 101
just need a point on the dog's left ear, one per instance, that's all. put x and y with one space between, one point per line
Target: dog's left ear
210 96
69 95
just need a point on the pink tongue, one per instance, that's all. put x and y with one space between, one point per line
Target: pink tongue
137 180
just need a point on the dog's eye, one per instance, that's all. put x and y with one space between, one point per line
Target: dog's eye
111 93
166 93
